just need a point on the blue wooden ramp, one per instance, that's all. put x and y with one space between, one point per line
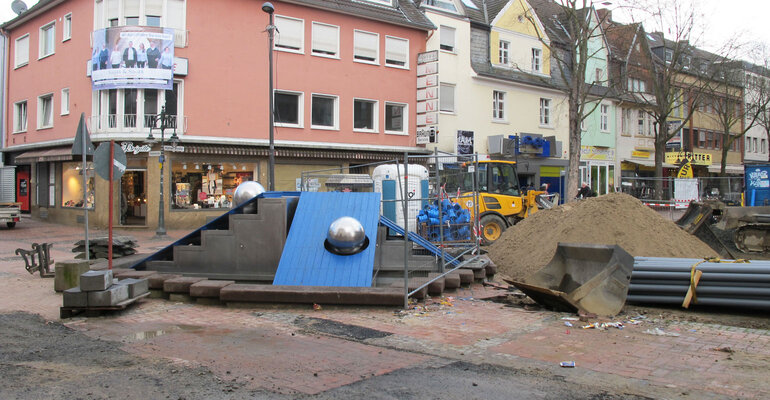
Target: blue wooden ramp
306 262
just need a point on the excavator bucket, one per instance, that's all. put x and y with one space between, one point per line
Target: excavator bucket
695 216
582 277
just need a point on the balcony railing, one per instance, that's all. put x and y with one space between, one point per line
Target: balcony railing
133 123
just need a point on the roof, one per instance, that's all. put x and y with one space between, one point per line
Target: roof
486 10
405 13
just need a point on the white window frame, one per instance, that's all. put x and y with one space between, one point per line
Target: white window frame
41 40
376 60
300 109
604 117
65 101
641 123
17 62
17 128
336 112
301 49
537 60
375 117
313 51
442 42
442 86
383 2
67 27
392 39
504 52
404 115
545 112
498 106
427 3
40 115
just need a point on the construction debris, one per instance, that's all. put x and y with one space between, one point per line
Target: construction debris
98 247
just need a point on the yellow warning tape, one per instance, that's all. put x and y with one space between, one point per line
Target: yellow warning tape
695 277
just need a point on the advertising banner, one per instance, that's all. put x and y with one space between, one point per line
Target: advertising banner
137 57
465 142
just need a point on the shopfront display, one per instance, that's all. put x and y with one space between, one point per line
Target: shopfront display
200 185
72 185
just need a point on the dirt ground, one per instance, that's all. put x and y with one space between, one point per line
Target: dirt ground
612 219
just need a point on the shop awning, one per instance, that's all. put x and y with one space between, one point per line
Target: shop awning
45 155
290 153
649 163
729 168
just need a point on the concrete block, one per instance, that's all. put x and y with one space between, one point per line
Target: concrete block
436 287
95 280
74 297
239 292
156 280
452 280
132 273
414 283
491 269
208 301
158 294
208 288
181 284
136 287
110 297
67 274
480 273
466 276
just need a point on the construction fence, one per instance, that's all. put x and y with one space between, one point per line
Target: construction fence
679 192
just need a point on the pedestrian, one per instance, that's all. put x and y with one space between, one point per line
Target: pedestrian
584 192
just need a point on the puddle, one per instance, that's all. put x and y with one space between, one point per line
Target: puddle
145 335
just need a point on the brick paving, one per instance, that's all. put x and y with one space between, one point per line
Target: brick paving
265 347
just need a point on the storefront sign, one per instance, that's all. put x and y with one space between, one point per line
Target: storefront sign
597 153
129 147
695 158
428 56
427 90
132 57
640 154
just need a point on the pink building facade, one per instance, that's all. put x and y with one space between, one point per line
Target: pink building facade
344 92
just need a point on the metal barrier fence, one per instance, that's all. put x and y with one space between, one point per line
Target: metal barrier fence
726 189
410 188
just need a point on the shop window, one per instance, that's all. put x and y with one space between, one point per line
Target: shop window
72 185
201 185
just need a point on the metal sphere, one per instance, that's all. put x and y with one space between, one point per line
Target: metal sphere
246 191
346 235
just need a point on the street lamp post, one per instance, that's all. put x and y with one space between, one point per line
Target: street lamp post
269 9
165 121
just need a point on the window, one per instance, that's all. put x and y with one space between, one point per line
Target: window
67 29
764 146
686 62
152 20
636 85
366 47
545 112
756 147
72 185
446 97
323 114
21 51
132 21
442 4
20 117
47 40
207 183
701 139
640 123
288 109
605 118
45 111
290 34
364 115
625 118
447 38
536 55
65 101
396 51
395 118
669 56
504 52
498 105
599 75
326 39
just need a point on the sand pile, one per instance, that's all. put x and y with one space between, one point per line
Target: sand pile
612 219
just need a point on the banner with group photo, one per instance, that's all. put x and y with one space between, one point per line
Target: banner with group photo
138 57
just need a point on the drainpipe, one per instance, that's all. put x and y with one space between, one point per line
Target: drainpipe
4 77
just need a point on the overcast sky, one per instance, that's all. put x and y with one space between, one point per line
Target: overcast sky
747 19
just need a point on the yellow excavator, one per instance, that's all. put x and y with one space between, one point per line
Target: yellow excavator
502 202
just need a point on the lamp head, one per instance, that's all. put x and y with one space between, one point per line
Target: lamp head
268 7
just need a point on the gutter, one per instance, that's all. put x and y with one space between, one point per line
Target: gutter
4 76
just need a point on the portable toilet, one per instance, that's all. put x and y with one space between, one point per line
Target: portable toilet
386 182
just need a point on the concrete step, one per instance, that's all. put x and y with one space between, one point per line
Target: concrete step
466 276
156 281
436 288
249 293
181 284
414 283
208 288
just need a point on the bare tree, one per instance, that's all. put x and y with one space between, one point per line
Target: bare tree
757 87
573 37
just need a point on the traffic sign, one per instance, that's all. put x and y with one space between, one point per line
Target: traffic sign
102 161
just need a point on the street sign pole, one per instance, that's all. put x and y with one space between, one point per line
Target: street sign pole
109 239
85 194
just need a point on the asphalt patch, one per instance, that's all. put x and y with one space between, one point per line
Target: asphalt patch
339 329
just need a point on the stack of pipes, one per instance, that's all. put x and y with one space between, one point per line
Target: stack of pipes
666 281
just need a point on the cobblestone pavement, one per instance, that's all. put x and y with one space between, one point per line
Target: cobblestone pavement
310 351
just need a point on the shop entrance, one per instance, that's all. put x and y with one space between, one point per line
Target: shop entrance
133 198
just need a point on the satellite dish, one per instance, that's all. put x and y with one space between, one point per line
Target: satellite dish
18 7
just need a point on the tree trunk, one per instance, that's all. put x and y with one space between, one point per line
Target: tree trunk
573 177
